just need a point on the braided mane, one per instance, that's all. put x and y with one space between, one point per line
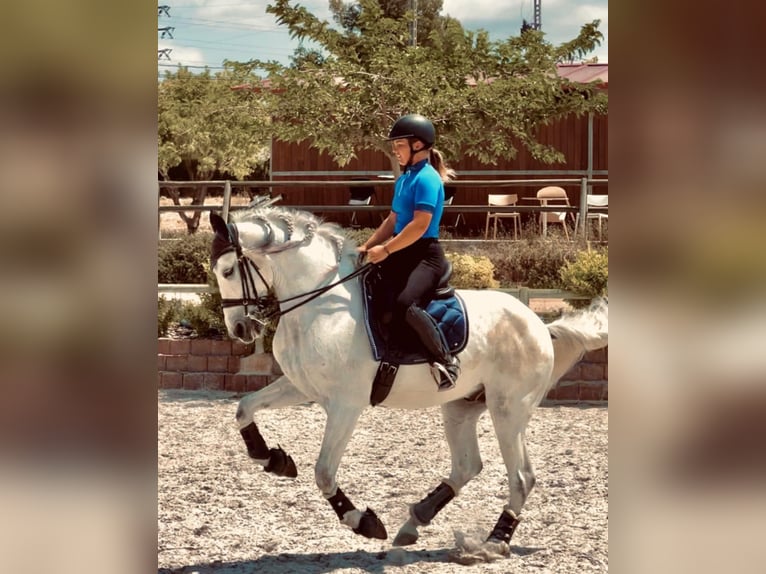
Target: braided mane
302 227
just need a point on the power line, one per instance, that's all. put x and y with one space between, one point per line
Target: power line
179 64
232 24
213 45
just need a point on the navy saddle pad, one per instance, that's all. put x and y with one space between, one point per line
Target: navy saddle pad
400 345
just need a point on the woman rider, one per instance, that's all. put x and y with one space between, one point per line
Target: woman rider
406 244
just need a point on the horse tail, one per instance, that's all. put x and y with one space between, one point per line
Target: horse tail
575 334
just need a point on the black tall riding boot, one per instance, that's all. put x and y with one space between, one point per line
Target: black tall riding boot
445 367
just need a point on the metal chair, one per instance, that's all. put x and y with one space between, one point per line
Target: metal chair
553 195
502 200
361 195
449 195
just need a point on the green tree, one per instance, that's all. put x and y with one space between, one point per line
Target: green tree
486 98
429 18
209 129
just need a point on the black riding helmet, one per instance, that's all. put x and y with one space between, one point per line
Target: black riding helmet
414 126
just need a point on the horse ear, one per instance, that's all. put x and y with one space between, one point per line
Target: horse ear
219 225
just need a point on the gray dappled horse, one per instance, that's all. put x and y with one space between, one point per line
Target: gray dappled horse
322 346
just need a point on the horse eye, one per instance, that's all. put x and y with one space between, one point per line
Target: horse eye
228 273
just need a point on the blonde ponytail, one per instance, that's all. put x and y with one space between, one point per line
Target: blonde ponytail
437 161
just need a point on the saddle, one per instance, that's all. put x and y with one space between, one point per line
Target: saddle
393 344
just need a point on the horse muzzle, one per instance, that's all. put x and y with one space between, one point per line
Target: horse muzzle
247 329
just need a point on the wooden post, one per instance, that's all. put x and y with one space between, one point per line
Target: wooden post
226 200
524 295
583 218
159 213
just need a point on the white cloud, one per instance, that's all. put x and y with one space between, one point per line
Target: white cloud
482 10
254 13
561 19
186 56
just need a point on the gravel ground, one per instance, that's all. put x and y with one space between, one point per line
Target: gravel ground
220 513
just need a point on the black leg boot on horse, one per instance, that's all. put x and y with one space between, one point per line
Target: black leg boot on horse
444 366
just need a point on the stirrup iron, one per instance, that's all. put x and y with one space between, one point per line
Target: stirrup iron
446 375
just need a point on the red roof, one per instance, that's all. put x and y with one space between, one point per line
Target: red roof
585 72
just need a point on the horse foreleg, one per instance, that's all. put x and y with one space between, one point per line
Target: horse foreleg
340 425
280 393
460 418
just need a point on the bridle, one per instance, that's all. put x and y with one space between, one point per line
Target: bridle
250 297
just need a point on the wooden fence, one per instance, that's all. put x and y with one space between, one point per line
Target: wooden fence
290 195
524 294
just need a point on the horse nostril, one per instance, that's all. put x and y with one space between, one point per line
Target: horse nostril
239 329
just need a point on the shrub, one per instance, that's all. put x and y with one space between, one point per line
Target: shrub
184 260
548 263
359 235
362 234
206 323
472 271
587 275
167 313
532 263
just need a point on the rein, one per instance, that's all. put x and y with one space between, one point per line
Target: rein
316 292
249 292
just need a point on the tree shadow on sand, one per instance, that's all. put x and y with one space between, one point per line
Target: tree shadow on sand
316 562
325 562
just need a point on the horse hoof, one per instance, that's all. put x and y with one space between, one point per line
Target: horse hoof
281 463
370 526
405 539
408 534
290 471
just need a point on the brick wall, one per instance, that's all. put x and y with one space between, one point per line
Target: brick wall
217 365
205 364
588 380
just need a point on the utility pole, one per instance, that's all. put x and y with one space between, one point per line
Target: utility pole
414 25
536 22
166 31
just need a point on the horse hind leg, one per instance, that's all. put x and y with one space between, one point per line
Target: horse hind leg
521 477
460 418
280 393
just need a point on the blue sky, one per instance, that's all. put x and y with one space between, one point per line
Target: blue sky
208 31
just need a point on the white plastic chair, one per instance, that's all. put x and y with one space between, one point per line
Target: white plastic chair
595 201
553 195
502 200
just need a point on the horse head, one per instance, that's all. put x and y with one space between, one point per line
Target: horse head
273 251
244 288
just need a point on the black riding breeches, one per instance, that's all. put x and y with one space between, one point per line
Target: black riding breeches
412 274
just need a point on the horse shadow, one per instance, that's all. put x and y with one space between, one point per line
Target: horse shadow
326 562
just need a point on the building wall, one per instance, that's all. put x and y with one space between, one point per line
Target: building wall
298 161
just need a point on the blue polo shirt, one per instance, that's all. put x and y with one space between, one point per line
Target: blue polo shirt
419 188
